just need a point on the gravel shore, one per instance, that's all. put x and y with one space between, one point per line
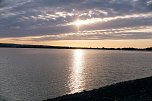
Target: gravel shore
134 90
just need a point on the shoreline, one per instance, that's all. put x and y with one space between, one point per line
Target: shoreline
133 90
5 45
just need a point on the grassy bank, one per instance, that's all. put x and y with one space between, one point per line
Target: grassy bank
134 90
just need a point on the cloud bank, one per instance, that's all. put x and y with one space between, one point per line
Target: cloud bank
40 20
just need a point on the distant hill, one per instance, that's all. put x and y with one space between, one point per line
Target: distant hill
26 46
8 45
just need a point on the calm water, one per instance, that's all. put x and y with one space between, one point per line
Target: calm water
38 74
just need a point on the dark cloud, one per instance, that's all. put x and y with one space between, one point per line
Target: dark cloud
1 3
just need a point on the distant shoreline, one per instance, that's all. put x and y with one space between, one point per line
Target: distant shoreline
133 90
5 45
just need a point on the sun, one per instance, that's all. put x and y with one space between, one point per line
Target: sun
78 22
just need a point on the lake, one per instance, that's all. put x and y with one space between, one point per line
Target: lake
39 74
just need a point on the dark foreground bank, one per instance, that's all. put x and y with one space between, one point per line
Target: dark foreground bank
135 90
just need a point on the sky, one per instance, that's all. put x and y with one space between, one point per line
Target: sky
86 23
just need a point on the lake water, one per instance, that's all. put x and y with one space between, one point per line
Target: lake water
39 74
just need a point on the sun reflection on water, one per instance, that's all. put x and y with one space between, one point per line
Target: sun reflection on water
76 77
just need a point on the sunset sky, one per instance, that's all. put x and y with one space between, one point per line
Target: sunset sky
84 23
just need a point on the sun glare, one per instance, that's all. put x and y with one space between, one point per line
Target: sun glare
79 22
77 80
84 22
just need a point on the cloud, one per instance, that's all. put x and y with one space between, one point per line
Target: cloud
54 20
140 32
